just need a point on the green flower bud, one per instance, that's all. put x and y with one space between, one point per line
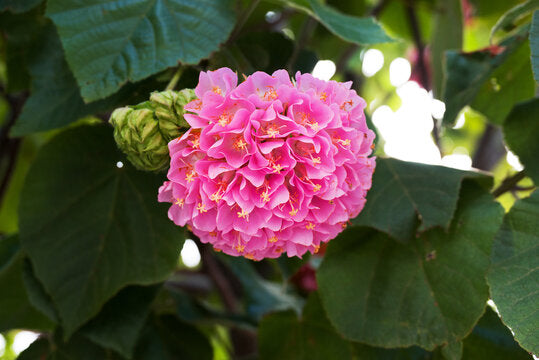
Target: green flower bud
143 131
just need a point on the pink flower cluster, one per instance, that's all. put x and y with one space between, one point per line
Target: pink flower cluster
269 165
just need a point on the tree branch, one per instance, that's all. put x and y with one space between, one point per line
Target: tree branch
490 149
424 78
212 267
509 184
305 33
9 147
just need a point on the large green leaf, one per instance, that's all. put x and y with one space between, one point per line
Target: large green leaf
447 34
39 349
427 292
491 340
521 129
165 337
21 33
37 295
120 323
283 336
363 31
110 42
506 22
404 191
18 6
466 73
15 310
55 100
78 348
510 83
514 276
91 228
534 45
261 295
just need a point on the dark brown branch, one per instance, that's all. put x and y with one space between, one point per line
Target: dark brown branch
213 269
424 78
490 149
304 35
9 147
243 340
509 184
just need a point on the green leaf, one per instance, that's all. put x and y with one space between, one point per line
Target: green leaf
506 22
363 31
283 336
465 73
534 45
491 340
427 292
365 352
21 32
120 323
514 275
404 191
18 6
521 130
261 295
109 43
55 100
167 338
37 295
452 351
77 348
15 310
510 83
91 228
447 34
39 349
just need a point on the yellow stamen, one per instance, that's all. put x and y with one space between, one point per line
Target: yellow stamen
316 249
249 255
216 196
201 208
265 196
293 212
190 177
270 95
179 202
217 90
314 126
317 187
310 226
240 144
323 96
277 168
224 120
240 248
273 239
243 214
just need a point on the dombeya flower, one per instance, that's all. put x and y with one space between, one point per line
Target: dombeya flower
270 165
143 131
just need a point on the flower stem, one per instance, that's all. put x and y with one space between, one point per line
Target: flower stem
174 81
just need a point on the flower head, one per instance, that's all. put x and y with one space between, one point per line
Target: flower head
269 166
143 131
